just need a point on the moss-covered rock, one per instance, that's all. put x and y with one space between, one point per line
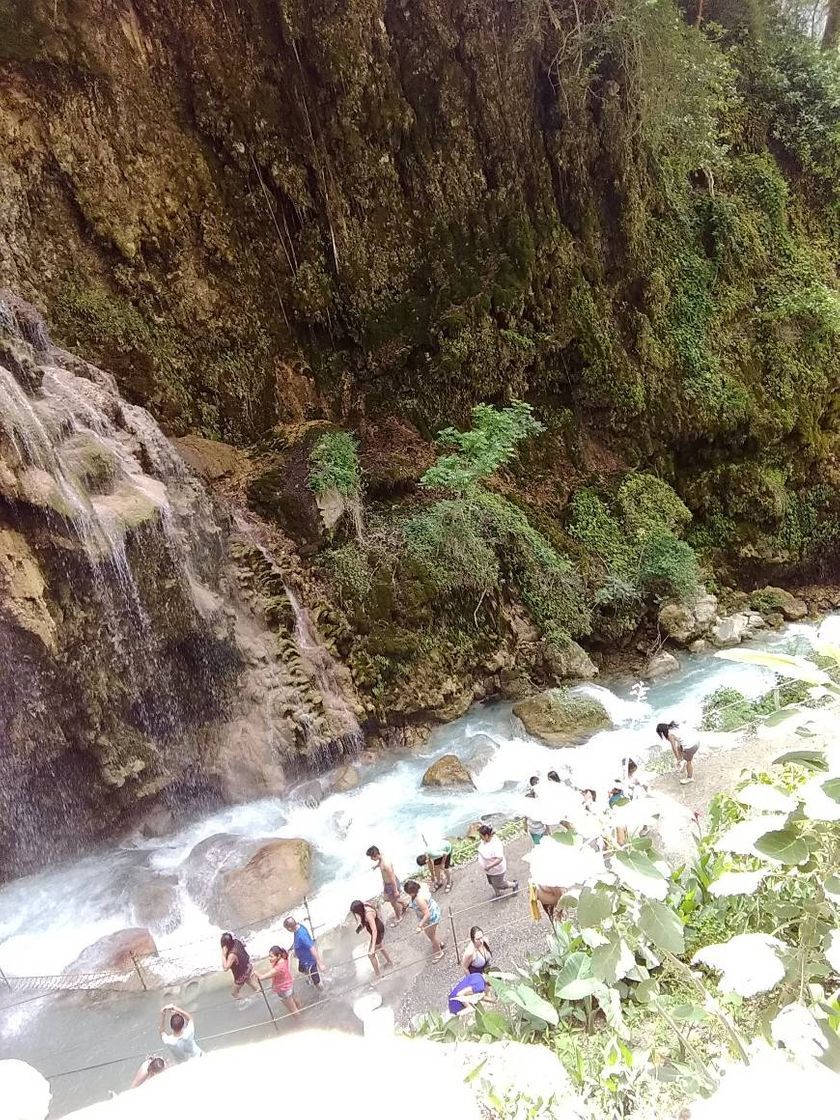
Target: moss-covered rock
775 600
562 717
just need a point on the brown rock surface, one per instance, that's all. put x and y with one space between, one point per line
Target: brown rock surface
274 879
447 771
114 952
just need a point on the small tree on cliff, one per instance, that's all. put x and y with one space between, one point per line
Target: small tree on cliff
489 444
334 469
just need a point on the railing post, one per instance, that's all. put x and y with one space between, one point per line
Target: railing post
268 1006
137 969
454 934
5 981
309 921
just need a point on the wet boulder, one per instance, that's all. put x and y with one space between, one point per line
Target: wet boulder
274 879
115 952
447 772
562 717
662 664
346 779
155 903
775 600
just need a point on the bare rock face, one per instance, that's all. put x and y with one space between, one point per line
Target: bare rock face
114 952
686 622
447 772
346 779
661 664
274 879
562 717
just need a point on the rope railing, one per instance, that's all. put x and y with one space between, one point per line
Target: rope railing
143 971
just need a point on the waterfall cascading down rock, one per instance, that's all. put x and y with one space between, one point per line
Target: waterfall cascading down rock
134 672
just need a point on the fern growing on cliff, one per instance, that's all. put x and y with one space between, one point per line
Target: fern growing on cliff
334 468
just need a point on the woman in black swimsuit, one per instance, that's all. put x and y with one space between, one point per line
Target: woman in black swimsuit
369 921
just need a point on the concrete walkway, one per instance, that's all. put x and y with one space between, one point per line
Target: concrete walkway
90 1043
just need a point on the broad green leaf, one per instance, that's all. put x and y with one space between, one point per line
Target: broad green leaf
612 962
527 1000
832 949
640 874
782 715
832 887
662 926
579 989
610 1004
832 788
783 845
689 1013
476 1070
491 1022
810 759
594 907
646 991
577 966
785 665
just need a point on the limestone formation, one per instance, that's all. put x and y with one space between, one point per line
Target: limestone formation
345 780
274 879
775 600
446 772
562 717
114 952
662 664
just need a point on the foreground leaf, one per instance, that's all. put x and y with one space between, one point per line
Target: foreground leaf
783 664
613 961
832 788
748 963
736 882
662 926
810 759
525 998
783 845
594 907
640 874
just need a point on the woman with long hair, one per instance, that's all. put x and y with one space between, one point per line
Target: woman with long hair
477 952
369 921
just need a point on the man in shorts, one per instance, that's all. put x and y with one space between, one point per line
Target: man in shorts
306 951
438 859
491 860
391 886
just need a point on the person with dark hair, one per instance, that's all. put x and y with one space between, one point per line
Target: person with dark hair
390 883
150 1068
491 860
369 921
308 955
477 953
684 743
553 776
429 914
536 828
438 858
235 960
280 975
179 1040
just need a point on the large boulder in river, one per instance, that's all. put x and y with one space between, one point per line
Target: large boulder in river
447 772
662 664
570 661
273 880
736 628
685 622
775 600
115 952
346 779
561 716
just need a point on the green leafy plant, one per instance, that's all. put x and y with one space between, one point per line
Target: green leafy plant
480 451
335 469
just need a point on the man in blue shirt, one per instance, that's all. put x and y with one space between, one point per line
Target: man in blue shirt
307 952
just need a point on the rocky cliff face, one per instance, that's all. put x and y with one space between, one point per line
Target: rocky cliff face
137 664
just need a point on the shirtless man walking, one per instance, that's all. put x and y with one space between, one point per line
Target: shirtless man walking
390 883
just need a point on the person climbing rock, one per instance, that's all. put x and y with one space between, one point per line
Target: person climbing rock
491 860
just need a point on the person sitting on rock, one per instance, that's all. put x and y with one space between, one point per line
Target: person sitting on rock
179 1040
